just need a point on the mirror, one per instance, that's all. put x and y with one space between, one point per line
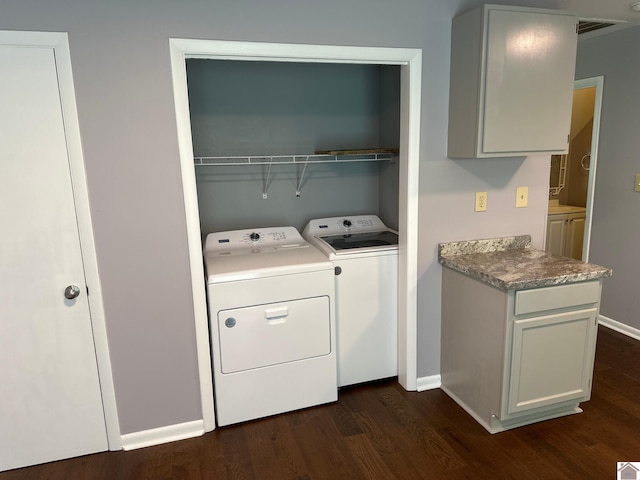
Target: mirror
557 173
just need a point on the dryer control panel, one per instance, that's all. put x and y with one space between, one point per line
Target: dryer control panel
237 241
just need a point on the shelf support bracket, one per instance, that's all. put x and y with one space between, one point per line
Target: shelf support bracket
265 180
301 178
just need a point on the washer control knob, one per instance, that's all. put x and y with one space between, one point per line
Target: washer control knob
254 236
346 223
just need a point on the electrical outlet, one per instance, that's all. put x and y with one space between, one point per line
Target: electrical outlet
637 187
481 201
522 197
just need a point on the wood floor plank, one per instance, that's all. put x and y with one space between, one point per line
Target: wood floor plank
380 431
236 454
274 452
423 432
323 447
345 421
368 458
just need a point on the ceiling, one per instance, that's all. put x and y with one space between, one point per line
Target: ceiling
603 10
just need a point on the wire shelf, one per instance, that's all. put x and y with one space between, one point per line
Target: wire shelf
342 156
291 159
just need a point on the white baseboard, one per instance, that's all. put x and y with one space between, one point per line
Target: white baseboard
428 383
619 327
157 436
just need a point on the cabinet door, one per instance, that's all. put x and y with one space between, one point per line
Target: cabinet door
556 233
530 63
575 236
551 360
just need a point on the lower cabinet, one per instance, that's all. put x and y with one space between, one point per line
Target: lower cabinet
517 357
565 233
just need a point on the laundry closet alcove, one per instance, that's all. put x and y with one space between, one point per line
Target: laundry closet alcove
407 66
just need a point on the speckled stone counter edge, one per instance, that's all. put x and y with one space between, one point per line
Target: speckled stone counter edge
484 246
509 263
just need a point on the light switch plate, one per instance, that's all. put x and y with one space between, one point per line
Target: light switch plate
637 187
522 197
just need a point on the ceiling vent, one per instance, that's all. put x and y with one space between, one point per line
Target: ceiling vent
586 25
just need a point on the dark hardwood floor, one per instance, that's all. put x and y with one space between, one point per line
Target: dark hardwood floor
380 431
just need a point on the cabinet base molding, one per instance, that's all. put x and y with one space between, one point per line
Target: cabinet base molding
495 425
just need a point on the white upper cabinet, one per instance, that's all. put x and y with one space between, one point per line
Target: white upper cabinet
511 86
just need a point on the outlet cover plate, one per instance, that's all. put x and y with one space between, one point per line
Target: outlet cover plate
481 201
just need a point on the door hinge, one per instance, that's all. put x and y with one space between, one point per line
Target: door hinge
577 26
87 290
568 138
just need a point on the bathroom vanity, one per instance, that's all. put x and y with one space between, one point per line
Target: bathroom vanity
565 230
518 330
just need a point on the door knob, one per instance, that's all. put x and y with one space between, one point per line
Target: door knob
71 292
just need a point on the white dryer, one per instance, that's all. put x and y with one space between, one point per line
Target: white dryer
365 254
271 313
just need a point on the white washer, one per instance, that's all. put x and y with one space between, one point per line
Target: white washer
271 314
365 254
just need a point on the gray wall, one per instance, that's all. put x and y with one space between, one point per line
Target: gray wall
282 108
615 233
388 199
230 198
120 56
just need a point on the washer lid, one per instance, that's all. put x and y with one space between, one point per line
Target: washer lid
349 241
358 234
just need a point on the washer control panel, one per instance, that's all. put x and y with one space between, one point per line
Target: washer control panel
255 240
337 225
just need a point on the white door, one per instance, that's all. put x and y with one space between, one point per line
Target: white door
50 404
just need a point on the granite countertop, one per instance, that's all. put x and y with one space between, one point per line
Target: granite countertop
509 263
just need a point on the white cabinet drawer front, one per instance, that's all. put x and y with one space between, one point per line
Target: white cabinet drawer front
552 359
264 335
561 296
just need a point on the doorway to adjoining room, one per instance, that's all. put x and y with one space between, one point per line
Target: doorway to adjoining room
572 176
